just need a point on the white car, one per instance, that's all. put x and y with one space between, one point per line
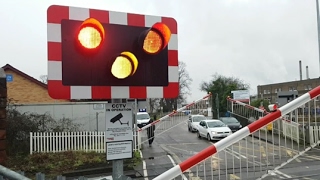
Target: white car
193 122
213 129
143 119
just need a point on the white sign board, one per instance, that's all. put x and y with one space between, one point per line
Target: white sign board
119 123
241 95
119 150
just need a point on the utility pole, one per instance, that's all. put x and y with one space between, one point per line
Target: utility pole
97 121
3 116
217 105
318 26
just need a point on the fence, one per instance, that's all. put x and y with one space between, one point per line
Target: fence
71 141
244 156
176 118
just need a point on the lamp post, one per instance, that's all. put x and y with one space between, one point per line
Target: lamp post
318 26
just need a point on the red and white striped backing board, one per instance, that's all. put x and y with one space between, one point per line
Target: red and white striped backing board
57 90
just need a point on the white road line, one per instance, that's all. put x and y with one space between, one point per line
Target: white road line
173 163
144 166
282 174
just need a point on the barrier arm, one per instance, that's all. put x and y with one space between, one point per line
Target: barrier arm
265 112
174 112
237 136
247 105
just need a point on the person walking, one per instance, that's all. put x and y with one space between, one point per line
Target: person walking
150 131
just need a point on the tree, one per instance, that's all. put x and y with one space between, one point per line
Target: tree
44 79
258 102
184 90
222 86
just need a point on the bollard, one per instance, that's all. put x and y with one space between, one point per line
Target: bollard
40 176
3 116
60 177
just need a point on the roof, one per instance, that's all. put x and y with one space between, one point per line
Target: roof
9 67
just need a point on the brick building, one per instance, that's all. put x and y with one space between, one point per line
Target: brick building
24 89
269 91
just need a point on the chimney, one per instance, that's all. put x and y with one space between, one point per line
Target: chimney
307 72
300 70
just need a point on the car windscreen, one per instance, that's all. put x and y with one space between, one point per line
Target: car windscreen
229 120
215 124
143 116
198 118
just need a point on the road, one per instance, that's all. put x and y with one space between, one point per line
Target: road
248 159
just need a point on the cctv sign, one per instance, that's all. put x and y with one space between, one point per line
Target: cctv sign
119 123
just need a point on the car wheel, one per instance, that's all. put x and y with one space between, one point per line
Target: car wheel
208 137
199 136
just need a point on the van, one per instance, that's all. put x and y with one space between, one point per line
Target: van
143 119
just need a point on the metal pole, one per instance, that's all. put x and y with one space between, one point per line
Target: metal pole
97 120
318 26
3 116
117 165
217 105
11 174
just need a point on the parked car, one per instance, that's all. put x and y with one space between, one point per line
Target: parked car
142 119
232 123
193 122
213 129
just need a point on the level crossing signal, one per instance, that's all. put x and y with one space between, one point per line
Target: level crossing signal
99 54
114 55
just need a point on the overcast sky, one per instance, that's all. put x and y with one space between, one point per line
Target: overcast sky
258 41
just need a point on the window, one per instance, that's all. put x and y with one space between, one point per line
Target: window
275 90
268 91
309 87
264 91
290 88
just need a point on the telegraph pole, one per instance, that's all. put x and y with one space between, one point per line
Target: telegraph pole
318 26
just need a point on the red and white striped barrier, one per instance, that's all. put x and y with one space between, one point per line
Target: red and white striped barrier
264 111
247 105
174 112
237 136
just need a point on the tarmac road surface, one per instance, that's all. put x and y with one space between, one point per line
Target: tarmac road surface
248 159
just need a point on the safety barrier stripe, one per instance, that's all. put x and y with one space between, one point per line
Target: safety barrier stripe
248 106
174 112
235 137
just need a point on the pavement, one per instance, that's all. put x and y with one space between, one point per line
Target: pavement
250 158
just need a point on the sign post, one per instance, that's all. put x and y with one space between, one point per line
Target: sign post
112 72
119 135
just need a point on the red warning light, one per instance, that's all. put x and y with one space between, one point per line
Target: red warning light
91 34
156 38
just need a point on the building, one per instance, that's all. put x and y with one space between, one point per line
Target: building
269 91
24 89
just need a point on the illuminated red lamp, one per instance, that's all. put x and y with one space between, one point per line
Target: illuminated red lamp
91 34
156 38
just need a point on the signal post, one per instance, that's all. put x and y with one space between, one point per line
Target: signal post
98 54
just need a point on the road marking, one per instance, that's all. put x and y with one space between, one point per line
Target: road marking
174 156
215 164
234 177
234 152
144 167
174 164
282 174
313 157
262 150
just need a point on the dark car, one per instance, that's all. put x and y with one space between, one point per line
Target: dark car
232 123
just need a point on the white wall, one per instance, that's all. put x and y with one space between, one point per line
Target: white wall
83 113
